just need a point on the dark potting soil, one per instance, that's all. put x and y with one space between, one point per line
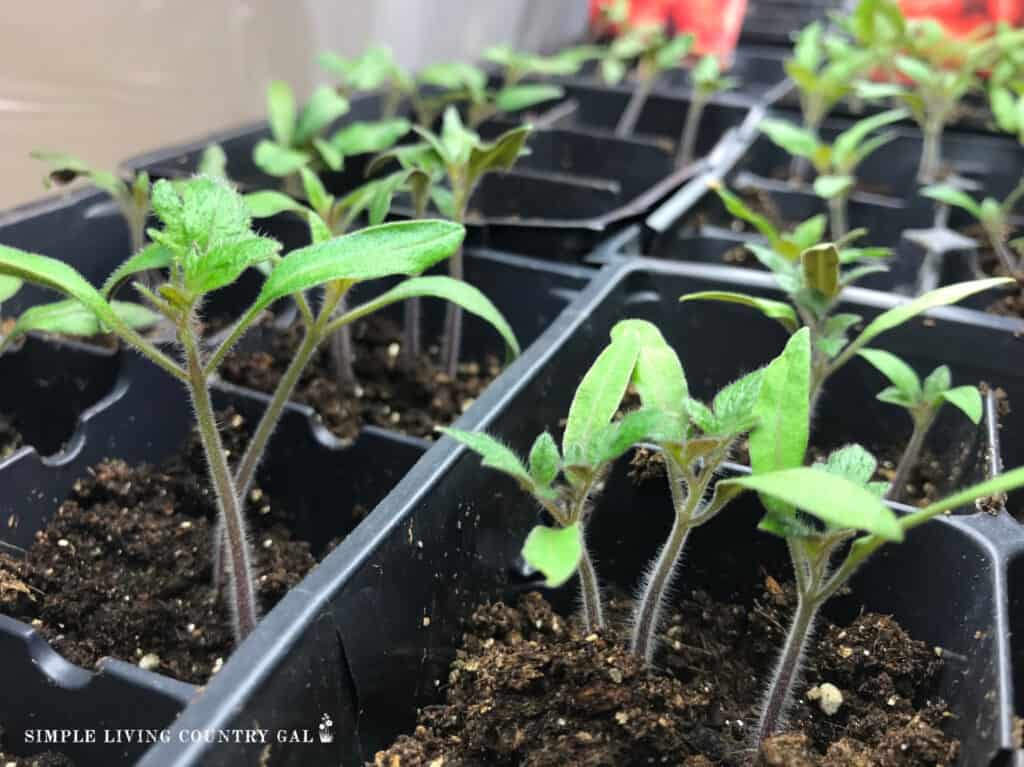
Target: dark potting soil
45 759
529 688
1010 304
410 401
10 437
124 568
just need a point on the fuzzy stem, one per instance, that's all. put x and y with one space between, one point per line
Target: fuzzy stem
293 186
931 153
1003 253
244 614
342 354
788 667
911 453
837 216
631 116
688 141
452 346
314 335
593 613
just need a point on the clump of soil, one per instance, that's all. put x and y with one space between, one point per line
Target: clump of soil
125 569
10 437
45 759
411 401
530 688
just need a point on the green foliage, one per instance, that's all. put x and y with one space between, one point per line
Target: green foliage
555 552
73 318
824 69
907 390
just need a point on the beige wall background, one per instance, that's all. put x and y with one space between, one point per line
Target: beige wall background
106 80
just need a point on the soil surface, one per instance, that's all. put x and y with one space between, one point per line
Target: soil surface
1011 303
413 401
124 568
45 759
530 688
10 437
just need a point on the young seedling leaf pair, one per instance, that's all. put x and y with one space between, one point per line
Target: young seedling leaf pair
707 80
205 242
131 195
835 164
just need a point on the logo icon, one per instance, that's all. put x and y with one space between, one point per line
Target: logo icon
326 729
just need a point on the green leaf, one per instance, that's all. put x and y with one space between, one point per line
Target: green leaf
671 54
323 108
8 287
598 397
833 499
827 186
224 261
844 148
545 462
494 453
456 291
737 208
281 112
636 426
821 269
938 381
967 399
517 97
776 310
939 297
72 317
897 371
1004 108
851 462
407 247
454 76
658 374
213 162
831 338
58 276
950 195
316 194
792 138
66 168
153 256
555 552
807 50
499 155
735 406
365 137
198 213
916 70
809 233
331 157
277 160
706 71
996 486
270 203
701 415
779 441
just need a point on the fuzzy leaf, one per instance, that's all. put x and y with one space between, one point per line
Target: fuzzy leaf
636 426
598 398
832 498
73 318
555 552
407 247
501 154
966 399
852 462
735 406
545 462
66 168
224 261
8 287
517 97
278 160
944 296
323 108
792 138
213 162
832 339
446 288
776 310
269 203
938 381
153 256
658 374
281 112
316 193
365 137
495 454
897 371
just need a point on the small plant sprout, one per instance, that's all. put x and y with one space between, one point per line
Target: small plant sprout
376 69
591 443
818 510
694 441
708 80
824 70
205 243
464 159
131 195
654 53
922 400
994 217
835 163
813 279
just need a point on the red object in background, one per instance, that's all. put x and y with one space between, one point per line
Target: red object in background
960 17
715 24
